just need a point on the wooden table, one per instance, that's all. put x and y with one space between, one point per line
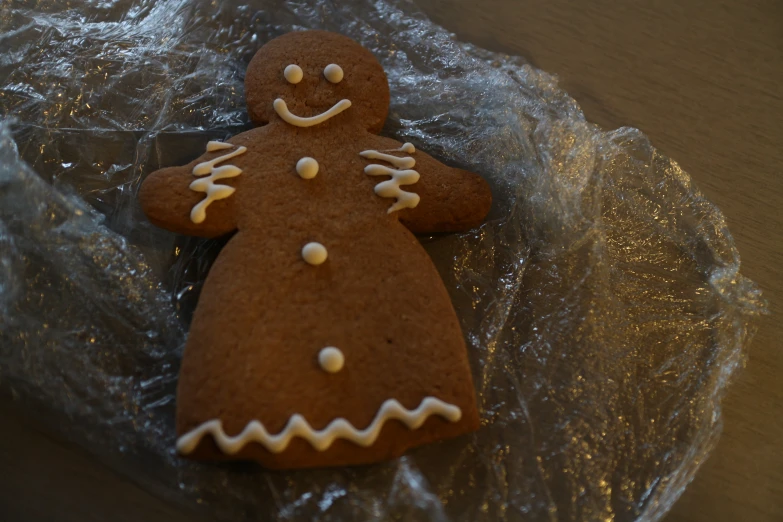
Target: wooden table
703 80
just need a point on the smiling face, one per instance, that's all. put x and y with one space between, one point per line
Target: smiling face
310 77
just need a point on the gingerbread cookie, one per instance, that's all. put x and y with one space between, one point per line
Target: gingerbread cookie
324 335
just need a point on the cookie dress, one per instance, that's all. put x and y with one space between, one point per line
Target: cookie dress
324 335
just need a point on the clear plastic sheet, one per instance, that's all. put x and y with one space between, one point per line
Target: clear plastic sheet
602 301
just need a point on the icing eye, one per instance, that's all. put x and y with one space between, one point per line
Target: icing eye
293 73
333 73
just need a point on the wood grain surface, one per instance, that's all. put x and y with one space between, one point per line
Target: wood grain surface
702 79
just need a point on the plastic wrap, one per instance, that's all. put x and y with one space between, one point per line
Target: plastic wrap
602 300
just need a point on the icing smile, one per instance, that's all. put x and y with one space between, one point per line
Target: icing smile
282 110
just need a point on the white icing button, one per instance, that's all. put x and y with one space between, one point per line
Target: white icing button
314 253
293 74
333 73
331 359
307 168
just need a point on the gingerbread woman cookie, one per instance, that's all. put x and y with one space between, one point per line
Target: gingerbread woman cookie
324 335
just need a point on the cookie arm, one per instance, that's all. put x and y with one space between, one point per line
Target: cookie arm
167 201
452 200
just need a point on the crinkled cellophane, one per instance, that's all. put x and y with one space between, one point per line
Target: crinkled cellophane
601 301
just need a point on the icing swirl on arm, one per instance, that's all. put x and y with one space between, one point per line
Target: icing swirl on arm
402 174
400 163
212 146
207 185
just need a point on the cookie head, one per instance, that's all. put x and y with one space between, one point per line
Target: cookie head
308 78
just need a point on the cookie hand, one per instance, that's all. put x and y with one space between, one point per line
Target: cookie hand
450 200
194 199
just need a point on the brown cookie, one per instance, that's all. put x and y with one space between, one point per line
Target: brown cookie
324 335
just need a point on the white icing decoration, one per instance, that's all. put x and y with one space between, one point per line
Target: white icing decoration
205 167
331 359
307 168
293 74
282 110
391 188
314 253
207 185
400 163
406 147
339 428
212 146
333 73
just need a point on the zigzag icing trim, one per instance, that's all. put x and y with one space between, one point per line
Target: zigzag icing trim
214 191
319 439
401 174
